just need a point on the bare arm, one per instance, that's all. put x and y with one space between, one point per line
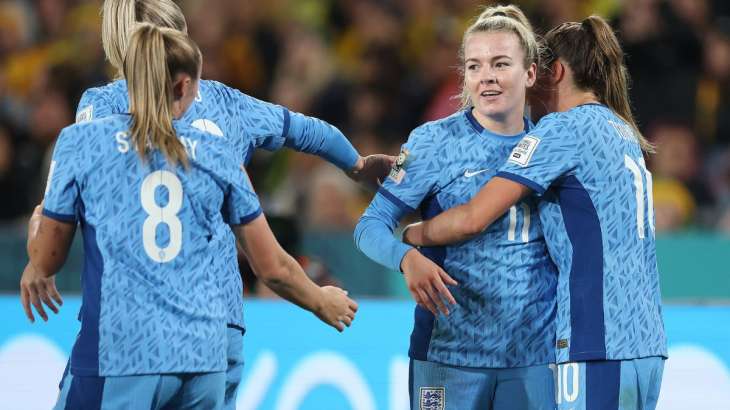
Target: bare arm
282 274
465 221
48 246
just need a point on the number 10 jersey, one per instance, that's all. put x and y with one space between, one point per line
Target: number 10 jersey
152 299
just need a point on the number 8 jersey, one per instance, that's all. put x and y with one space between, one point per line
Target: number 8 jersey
597 215
152 300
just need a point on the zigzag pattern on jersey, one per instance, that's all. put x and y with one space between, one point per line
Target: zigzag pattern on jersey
506 291
156 317
584 144
245 122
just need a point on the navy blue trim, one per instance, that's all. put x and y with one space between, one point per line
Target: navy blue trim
424 319
521 180
65 375
85 393
588 329
287 124
473 121
234 326
85 353
603 384
395 200
59 217
250 217
410 384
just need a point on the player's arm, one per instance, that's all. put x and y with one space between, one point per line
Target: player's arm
374 237
282 274
317 137
465 221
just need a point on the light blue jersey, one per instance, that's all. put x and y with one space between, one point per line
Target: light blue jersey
246 123
506 292
597 213
151 302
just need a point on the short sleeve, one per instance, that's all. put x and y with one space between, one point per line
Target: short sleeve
92 105
415 173
241 204
545 154
62 191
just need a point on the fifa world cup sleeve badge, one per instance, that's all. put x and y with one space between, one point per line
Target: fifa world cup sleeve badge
398 171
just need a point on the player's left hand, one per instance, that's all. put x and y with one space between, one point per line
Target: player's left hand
372 170
37 289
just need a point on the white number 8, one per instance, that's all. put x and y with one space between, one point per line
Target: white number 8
162 215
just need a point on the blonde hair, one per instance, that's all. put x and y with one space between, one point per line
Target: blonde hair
120 16
594 54
508 19
154 57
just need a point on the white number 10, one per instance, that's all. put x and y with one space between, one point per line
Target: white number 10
636 170
162 215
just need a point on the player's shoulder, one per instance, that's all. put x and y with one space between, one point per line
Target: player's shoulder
112 95
437 130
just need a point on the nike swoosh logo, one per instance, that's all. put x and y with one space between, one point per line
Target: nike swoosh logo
468 174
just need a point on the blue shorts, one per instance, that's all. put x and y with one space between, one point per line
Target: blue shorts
435 386
609 385
161 391
235 366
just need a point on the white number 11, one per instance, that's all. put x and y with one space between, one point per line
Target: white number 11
636 170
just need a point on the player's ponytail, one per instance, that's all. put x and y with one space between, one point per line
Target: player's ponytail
119 18
593 53
509 19
154 57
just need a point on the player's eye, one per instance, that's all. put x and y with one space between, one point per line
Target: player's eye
471 67
502 64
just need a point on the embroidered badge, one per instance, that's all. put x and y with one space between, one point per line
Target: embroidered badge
432 398
398 172
87 114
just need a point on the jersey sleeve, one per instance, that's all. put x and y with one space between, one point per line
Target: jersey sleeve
62 194
374 233
92 105
548 152
241 204
415 173
265 123
317 137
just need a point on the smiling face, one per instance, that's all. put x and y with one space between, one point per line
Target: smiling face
495 75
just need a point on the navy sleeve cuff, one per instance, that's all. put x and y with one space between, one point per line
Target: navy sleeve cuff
59 217
248 218
395 200
523 181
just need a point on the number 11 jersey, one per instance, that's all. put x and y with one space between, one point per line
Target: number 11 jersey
597 215
152 300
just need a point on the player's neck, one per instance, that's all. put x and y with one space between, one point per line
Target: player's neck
511 124
571 98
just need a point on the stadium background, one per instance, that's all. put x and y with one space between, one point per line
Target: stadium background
376 69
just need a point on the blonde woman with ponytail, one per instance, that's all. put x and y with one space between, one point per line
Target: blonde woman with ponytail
484 333
151 195
586 163
245 122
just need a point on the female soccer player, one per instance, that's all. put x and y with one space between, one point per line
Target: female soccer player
493 349
151 196
585 163
247 124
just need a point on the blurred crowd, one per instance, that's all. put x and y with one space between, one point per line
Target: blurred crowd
376 69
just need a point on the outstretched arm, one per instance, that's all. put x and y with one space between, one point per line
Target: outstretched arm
282 274
465 221
317 137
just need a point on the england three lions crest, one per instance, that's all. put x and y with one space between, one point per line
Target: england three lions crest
432 398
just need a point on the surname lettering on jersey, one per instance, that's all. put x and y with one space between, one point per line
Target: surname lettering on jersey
123 144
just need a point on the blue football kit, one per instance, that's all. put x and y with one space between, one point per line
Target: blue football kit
246 123
151 302
506 294
597 214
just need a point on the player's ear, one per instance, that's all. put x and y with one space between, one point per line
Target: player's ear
182 85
